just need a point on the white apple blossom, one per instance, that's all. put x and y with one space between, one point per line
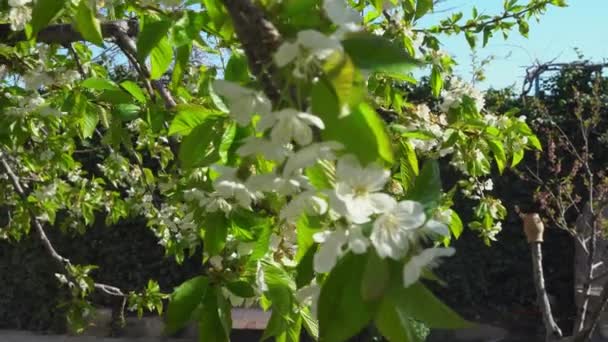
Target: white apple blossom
305 202
458 89
309 46
216 262
357 241
330 249
428 258
260 146
36 79
18 3
332 246
215 202
311 154
227 185
340 13
290 125
260 279
309 296
20 14
393 231
358 194
270 182
242 102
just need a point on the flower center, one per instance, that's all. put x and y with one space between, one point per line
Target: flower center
360 191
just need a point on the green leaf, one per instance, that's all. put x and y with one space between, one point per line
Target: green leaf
421 304
181 64
436 81
376 277
427 187
394 323
499 154
99 84
305 269
88 123
524 28
321 175
126 112
517 157
362 132
342 311
151 35
310 324
423 7
161 57
184 300
216 231
87 24
133 89
43 13
189 117
471 39
212 322
533 140
419 134
237 69
201 146
306 227
241 288
371 52
346 81
409 165
456 226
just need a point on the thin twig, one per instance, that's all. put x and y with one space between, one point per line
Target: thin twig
62 262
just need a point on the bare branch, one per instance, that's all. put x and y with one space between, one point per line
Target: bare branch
62 262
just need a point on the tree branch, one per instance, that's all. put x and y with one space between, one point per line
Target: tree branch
65 34
260 39
61 262
552 330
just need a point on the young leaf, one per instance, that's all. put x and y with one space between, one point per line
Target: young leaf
362 132
427 187
133 89
87 24
201 146
499 154
376 277
189 116
395 324
99 84
212 322
216 231
436 81
420 303
152 34
43 12
423 7
237 69
184 300
161 57
379 54
342 310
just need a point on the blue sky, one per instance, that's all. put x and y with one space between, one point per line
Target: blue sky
584 25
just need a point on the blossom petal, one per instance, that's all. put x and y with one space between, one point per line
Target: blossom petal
286 53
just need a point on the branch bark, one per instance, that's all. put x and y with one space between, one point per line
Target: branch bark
65 34
552 330
260 39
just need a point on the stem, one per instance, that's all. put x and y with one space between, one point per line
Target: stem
552 330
